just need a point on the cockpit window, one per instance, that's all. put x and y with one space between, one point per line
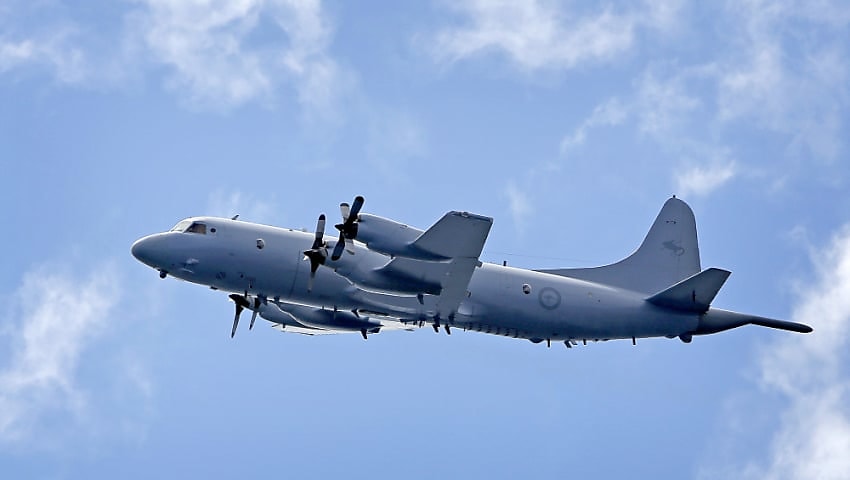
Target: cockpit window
181 227
197 227
188 226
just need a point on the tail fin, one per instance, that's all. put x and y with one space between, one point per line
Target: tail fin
668 255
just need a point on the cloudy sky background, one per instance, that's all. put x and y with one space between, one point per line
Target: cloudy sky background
568 122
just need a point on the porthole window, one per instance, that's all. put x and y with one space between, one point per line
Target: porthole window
526 288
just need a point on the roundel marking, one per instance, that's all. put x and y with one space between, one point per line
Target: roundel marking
549 298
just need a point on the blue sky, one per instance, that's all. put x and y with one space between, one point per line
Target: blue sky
568 122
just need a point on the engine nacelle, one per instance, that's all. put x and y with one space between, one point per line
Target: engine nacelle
391 238
320 318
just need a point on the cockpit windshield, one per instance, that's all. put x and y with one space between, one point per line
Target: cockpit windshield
188 226
181 227
197 227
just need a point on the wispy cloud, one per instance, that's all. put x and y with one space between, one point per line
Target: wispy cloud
542 35
54 51
519 205
215 54
754 81
811 375
780 84
610 113
207 45
203 42
56 318
664 101
702 180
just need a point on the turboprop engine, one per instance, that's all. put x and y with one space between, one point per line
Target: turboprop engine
380 234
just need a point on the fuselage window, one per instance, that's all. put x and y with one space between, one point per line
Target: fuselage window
197 227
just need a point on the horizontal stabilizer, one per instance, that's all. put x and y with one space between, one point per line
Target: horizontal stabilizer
693 294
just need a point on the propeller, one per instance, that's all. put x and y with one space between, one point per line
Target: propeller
257 301
348 227
318 253
241 302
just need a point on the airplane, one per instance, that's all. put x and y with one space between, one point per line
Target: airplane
382 275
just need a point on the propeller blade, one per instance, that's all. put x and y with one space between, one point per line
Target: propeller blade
320 232
255 312
241 302
348 227
318 253
356 206
340 245
239 309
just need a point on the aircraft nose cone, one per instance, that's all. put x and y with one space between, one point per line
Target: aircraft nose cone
141 249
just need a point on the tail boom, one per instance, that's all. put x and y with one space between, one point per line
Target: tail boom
717 320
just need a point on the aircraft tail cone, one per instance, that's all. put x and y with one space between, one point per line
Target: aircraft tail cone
717 320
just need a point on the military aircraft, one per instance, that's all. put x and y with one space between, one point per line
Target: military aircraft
384 275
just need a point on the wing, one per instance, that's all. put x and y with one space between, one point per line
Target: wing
459 238
456 235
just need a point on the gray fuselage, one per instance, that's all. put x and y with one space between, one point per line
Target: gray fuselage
501 300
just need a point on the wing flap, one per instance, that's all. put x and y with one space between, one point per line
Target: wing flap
454 285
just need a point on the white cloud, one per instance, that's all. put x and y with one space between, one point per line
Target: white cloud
519 205
319 79
54 51
207 44
811 374
540 35
756 80
217 54
203 42
664 102
796 87
702 180
13 54
609 113
59 318
216 61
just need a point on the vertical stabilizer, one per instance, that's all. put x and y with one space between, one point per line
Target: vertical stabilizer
668 255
